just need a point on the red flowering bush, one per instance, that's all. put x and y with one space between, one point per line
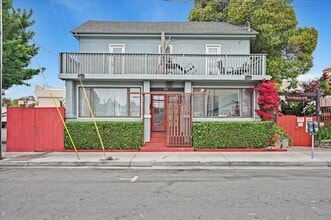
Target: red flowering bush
268 100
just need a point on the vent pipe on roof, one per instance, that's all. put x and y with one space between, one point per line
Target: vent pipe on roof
163 46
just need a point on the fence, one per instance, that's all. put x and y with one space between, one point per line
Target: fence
295 127
34 129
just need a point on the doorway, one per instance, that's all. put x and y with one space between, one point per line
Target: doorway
159 112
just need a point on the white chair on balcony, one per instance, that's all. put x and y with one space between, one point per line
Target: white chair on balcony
224 70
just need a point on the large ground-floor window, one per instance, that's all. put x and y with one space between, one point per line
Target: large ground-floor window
222 103
109 102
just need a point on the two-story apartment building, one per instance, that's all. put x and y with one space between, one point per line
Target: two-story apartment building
164 74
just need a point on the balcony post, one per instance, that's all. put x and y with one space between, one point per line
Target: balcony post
147 113
264 67
145 64
103 64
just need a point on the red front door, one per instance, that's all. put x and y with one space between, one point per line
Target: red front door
158 110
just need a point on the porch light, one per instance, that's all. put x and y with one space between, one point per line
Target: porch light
81 75
248 77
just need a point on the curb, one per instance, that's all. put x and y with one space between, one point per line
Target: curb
166 164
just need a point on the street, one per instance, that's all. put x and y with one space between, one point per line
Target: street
96 193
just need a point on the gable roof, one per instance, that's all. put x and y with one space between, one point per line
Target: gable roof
181 28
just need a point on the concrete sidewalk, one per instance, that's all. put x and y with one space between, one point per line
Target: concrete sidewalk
294 157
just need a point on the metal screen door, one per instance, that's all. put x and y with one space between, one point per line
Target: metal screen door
179 120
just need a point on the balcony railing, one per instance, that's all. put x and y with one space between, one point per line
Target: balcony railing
175 64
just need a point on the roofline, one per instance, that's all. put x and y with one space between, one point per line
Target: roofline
213 35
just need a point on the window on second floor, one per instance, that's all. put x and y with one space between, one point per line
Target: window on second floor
212 66
168 48
116 48
213 49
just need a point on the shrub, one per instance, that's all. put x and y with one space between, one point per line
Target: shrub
324 133
115 135
268 100
234 134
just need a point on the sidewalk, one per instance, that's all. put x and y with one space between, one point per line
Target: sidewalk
294 157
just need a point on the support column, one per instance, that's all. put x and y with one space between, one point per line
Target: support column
147 116
318 106
188 87
70 100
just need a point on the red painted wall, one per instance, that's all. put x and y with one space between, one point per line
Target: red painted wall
34 129
292 127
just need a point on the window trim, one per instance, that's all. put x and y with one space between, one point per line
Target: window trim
217 46
112 46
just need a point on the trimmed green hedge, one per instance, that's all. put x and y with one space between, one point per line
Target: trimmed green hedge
115 135
234 134
324 133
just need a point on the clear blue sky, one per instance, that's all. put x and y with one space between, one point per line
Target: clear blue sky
56 18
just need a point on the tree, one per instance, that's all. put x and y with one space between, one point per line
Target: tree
289 48
17 49
305 107
325 83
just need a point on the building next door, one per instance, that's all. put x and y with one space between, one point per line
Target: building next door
159 112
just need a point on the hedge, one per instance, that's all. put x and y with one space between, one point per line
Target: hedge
128 135
324 133
115 135
234 134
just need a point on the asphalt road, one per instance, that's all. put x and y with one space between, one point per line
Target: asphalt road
84 193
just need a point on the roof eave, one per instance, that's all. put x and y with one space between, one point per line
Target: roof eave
103 34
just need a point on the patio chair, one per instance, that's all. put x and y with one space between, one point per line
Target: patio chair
224 70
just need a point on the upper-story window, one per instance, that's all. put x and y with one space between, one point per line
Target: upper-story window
116 48
167 47
116 61
213 49
213 61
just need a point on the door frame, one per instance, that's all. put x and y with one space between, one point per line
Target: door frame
164 126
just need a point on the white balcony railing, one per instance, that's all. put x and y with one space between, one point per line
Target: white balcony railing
190 64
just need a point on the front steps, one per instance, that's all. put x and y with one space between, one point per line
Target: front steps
158 143
158 139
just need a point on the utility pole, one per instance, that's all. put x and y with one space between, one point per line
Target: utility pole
1 77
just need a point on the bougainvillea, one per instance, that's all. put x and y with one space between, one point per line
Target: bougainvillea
268 100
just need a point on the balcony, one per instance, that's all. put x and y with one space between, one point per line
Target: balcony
161 66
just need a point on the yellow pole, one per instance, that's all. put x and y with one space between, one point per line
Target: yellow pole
64 124
95 123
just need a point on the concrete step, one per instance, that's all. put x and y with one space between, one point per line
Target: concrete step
167 149
155 144
158 135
